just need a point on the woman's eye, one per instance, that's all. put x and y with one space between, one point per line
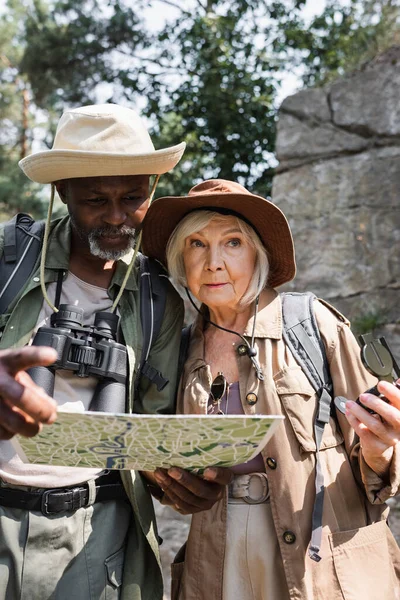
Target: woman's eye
234 243
196 244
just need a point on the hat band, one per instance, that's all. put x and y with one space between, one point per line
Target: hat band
227 212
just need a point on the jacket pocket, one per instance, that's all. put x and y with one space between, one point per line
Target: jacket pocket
114 566
177 568
300 404
363 563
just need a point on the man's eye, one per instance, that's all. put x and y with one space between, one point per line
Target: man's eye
95 200
134 198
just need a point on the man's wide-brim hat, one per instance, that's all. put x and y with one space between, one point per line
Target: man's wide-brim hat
104 139
265 217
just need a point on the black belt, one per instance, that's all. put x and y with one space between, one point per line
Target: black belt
56 500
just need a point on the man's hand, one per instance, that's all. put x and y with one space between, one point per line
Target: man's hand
379 432
188 493
24 406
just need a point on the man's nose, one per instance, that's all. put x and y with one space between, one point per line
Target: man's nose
115 214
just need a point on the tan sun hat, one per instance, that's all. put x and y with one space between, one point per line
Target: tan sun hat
103 139
265 217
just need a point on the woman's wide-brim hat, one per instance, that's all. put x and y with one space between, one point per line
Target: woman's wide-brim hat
103 139
265 217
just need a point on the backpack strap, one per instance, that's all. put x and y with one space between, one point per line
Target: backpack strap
153 295
301 335
22 246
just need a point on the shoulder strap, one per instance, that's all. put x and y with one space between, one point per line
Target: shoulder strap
153 295
183 352
22 245
301 334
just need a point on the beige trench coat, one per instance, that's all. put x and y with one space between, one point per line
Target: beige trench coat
358 551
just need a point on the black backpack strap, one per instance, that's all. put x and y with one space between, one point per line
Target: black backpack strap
153 295
301 335
22 245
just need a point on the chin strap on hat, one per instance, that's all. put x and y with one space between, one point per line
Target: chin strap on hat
137 246
252 352
46 239
44 249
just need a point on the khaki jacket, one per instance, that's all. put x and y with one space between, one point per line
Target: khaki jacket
141 579
358 551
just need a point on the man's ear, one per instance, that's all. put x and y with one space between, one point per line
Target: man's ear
61 187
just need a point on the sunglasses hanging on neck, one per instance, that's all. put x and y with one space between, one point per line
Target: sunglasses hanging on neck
219 388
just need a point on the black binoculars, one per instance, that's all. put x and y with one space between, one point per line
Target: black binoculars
85 350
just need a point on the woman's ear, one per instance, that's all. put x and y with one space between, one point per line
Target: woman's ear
61 190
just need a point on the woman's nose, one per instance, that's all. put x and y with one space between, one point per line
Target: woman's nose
214 260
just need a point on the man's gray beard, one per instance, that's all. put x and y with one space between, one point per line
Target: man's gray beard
95 249
95 235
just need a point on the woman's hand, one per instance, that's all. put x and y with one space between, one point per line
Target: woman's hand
24 406
188 493
379 432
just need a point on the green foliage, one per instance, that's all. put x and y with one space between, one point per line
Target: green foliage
343 37
209 76
368 322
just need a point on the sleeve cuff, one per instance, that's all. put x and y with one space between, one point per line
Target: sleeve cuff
377 489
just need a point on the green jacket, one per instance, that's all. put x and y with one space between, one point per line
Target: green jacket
142 572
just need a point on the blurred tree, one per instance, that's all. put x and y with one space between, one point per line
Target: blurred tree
16 119
209 75
341 39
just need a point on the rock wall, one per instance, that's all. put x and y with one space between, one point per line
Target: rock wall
338 182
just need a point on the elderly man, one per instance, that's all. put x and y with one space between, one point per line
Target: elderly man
104 544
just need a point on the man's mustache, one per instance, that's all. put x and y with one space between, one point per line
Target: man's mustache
108 230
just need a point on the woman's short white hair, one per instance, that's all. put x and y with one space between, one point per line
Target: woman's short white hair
197 220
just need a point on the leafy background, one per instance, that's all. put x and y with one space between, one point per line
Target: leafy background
210 74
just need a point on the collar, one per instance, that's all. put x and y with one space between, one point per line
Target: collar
59 248
269 316
268 325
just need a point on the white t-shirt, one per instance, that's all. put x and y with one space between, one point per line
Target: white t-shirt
71 392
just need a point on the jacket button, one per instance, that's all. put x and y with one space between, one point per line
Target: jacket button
251 398
271 462
289 537
242 350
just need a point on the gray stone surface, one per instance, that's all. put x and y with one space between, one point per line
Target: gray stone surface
368 101
173 528
299 138
338 183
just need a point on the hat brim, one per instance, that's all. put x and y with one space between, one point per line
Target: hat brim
54 165
268 220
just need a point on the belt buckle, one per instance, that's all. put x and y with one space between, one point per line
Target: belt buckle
265 495
44 507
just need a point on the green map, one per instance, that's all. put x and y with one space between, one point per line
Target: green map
145 442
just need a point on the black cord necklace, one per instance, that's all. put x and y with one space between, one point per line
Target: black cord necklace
251 350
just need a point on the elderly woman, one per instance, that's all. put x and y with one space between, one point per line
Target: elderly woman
268 537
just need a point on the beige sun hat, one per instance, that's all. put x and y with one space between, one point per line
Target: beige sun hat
103 139
229 197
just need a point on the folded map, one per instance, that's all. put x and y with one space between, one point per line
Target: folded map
145 442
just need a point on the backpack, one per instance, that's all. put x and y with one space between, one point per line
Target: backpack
301 334
22 246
